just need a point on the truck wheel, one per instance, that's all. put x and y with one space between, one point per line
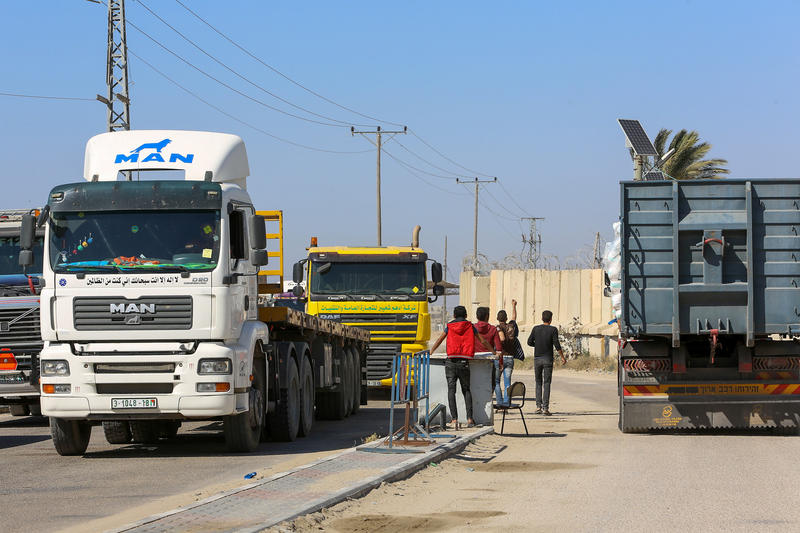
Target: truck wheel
243 431
35 409
18 409
356 363
70 437
117 431
347 381
144 431
285 423
306 399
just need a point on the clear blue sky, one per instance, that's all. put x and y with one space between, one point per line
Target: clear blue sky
527 91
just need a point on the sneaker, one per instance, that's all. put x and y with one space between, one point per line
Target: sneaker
547 413
538 411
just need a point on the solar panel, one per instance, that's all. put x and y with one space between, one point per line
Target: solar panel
653 175
637 137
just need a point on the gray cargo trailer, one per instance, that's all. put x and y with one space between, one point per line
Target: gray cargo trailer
710 304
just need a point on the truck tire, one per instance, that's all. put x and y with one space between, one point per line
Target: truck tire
144 431
117 431
243 431
347 381
356 364
285 422
306 398
35 409
18 409
70 437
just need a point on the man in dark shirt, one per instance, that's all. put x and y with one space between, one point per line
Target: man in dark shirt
544 338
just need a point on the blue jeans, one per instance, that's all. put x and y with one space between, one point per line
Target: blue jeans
508 367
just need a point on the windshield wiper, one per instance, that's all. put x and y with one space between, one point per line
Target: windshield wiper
111 268
180 268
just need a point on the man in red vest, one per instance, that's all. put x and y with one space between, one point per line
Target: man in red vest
462 338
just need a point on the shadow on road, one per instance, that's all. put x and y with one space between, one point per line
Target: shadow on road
25 421
11 441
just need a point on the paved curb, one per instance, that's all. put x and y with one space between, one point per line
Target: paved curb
400 471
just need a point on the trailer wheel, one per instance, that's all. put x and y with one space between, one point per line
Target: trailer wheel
306 398
18 409
347 381
117 431
144 431
70 437
285 423
243 431
356 364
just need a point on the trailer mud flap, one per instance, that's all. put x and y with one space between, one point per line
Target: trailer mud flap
641 415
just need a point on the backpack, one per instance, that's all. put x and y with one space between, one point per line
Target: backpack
512 345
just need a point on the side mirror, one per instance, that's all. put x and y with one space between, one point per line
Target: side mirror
297 290
43 215
437 291
607 292
297 273
607 279
258 232
27 233
259 257
436 273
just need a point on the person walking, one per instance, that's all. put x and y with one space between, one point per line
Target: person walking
507 331
461 338
544 339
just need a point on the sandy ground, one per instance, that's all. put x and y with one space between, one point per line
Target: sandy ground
577 472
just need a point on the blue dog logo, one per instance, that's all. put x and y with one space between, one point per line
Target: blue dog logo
155 155
152 146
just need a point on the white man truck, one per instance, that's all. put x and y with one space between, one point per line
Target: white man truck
151 313
20 339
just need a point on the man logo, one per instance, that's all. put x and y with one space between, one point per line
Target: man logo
122 308
133 320
133 156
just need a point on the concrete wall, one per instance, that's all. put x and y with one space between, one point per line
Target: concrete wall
567 293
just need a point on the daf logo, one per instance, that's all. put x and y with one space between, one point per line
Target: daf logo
117 309
155 155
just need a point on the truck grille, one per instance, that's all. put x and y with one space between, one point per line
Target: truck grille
134 388
400 326
19 330
379 360
117 313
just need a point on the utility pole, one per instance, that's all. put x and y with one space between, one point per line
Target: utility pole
533 242
378 142
477 182
597 260
117 101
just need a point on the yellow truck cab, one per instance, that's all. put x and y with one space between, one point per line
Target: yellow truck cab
381 289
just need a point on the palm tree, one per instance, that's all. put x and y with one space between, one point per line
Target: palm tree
687 162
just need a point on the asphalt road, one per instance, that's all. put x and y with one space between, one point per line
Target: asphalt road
40 489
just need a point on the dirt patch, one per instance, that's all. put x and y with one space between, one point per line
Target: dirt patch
529 466
591 431
401 524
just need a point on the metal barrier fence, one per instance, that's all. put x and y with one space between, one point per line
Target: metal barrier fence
411 379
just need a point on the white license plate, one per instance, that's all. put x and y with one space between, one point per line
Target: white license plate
134 403
373 383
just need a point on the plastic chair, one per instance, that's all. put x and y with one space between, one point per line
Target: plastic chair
517 390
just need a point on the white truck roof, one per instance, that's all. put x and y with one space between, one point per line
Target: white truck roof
194 152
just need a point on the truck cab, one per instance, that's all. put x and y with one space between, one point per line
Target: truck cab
381 289
149 310
20 338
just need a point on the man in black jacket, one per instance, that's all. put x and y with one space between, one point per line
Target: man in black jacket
544 338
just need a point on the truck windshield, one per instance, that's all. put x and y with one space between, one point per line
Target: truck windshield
9 256
162 241
367 278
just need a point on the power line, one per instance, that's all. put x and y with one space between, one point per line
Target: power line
237 91
241 76
44 97
524 211
237 119
423 141
456 175
441 176
492 211
516 217
278 72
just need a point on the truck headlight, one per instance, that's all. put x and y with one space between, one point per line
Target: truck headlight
55 368
214 366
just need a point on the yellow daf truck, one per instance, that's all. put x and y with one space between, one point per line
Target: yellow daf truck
381 289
